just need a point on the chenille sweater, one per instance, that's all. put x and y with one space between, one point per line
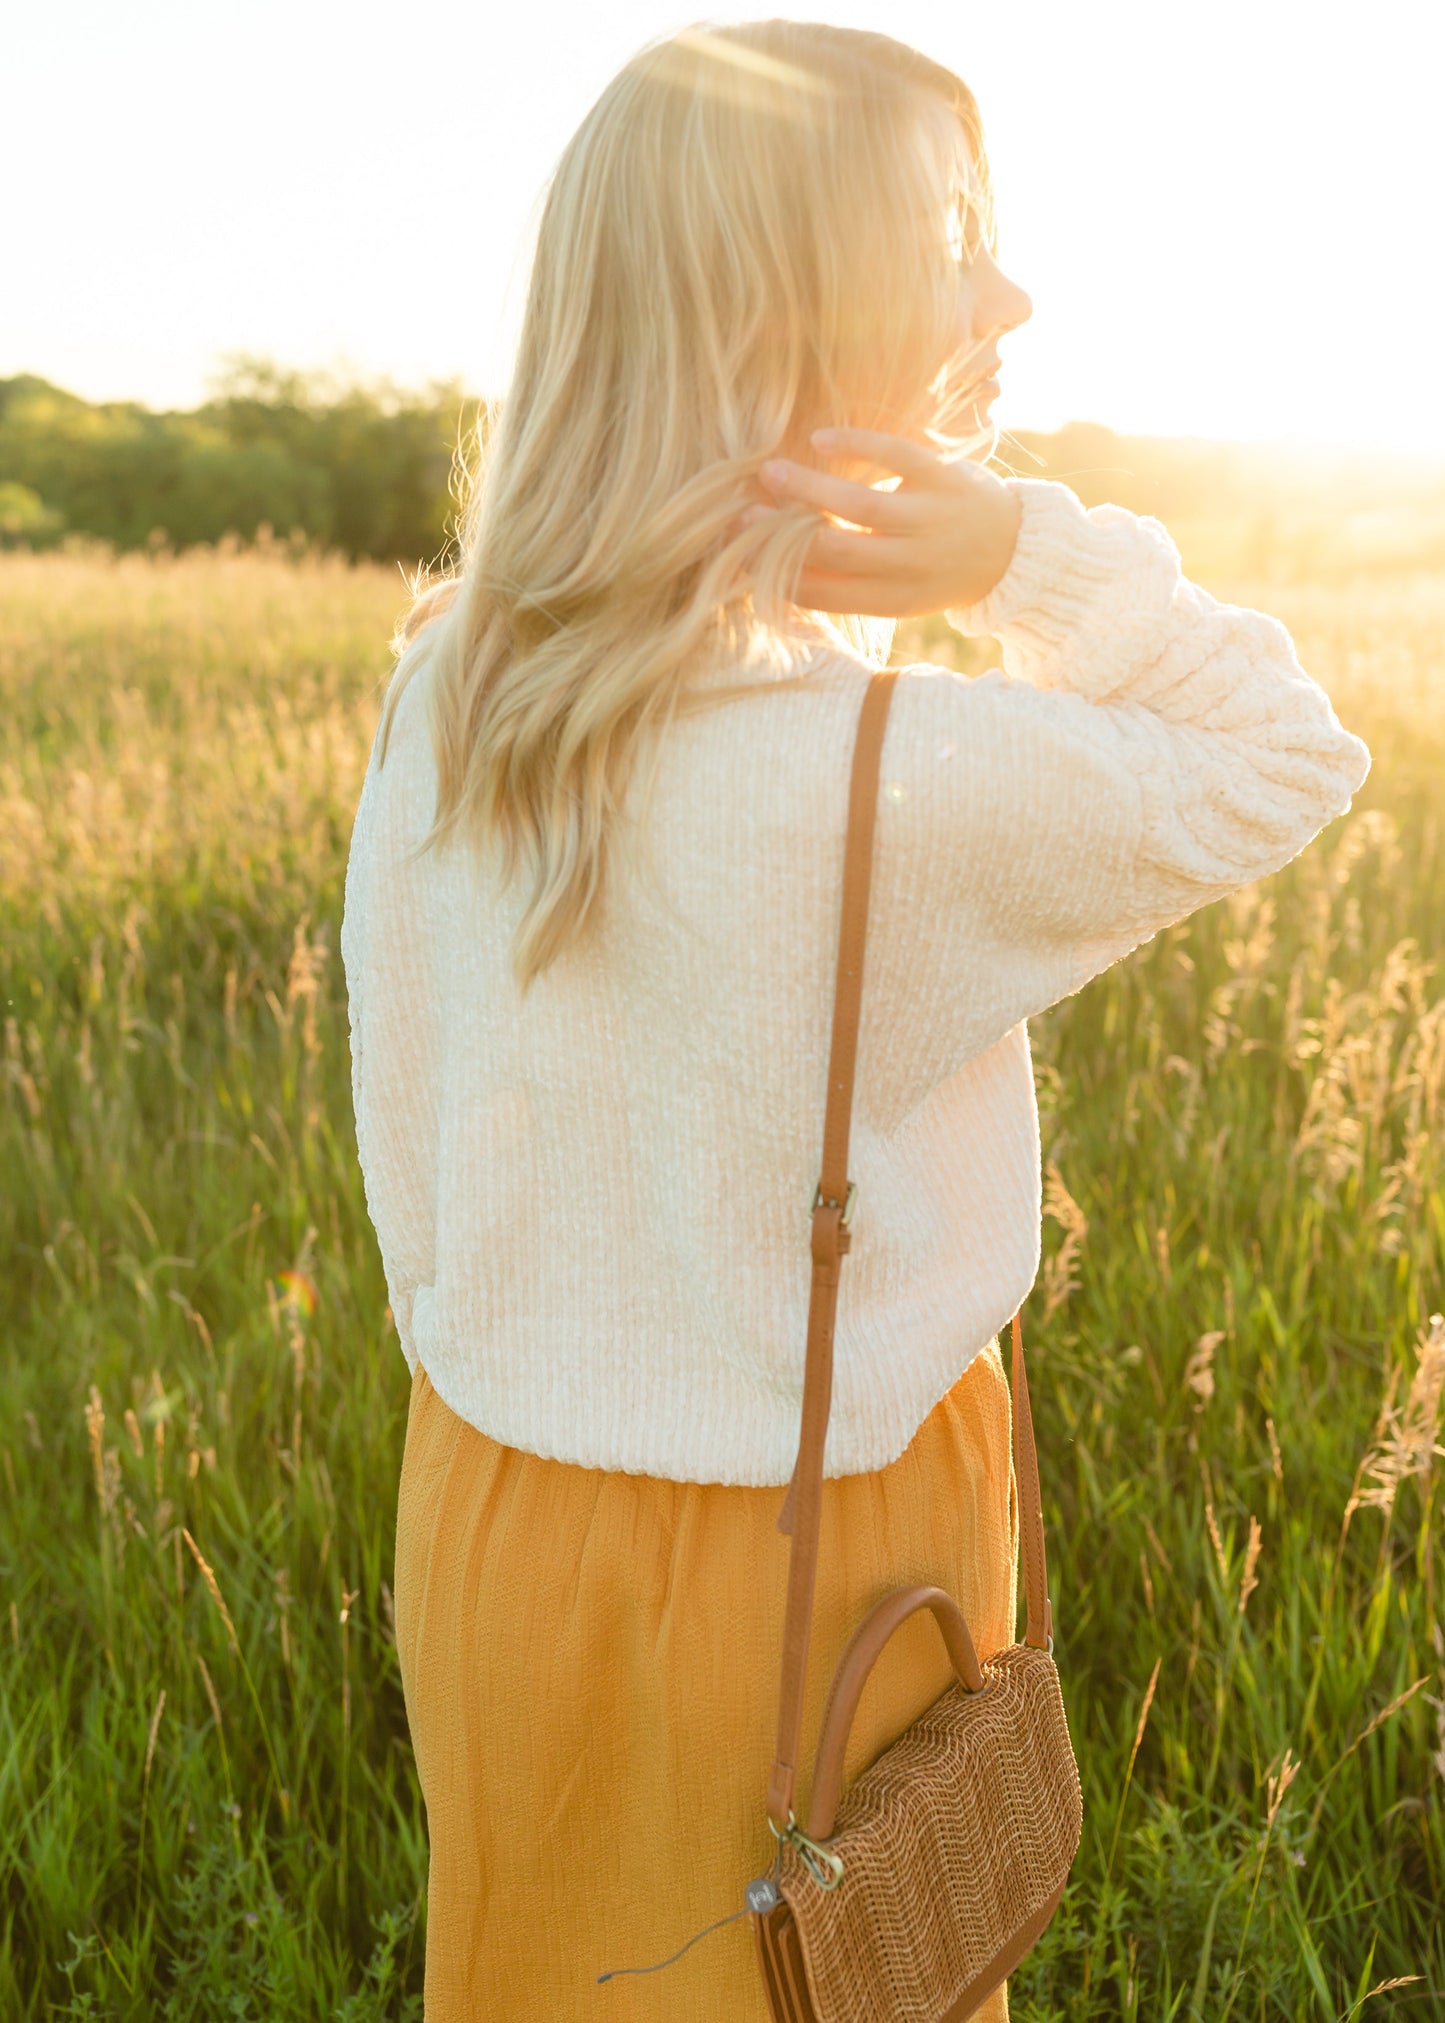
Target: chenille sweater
592 1204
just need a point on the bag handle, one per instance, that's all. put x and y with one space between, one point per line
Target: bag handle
833 1205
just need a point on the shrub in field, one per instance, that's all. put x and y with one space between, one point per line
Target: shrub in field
25 519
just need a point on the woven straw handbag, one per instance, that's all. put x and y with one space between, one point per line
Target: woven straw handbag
911 1896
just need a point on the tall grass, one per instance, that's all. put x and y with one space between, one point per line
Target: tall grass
207 1800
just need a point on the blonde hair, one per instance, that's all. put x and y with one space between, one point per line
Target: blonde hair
747 238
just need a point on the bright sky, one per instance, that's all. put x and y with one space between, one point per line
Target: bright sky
1229 215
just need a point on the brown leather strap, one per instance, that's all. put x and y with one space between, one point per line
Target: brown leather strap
801 1512
1039 1616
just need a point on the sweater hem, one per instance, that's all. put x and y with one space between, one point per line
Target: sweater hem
625 1456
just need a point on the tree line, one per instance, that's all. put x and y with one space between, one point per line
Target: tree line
368 471
364 470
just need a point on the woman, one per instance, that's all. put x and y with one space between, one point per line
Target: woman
590 927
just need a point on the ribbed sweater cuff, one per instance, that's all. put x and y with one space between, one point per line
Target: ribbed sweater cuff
1071 574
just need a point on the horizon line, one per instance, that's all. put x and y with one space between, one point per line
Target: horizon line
1295 442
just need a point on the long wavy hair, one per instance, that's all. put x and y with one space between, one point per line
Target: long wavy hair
754 233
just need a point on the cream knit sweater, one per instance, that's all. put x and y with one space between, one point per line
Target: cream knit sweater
593 1208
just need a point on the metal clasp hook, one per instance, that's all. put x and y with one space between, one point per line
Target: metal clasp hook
825 1867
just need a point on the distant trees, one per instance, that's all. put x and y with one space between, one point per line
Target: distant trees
362 469
367 470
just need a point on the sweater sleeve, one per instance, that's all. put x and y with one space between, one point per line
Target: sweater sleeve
392 1000
1144 750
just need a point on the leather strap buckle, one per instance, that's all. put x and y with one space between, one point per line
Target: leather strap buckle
849 1202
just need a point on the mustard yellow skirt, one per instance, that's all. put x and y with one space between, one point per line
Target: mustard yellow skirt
590 1662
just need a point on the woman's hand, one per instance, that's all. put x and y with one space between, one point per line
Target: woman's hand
942 539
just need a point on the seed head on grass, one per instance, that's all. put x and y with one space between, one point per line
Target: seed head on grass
1249 1582
151 1735
1276 1785
211 1694
284 1600
1133 1753
1400 1700
1404 1442
106 1481
1377 1721
1215 1540
216 1596
1061 1277
1275 1457
1199 1370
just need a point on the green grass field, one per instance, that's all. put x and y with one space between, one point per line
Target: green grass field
207 1800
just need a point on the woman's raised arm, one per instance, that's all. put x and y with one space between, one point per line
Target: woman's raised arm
1144 750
